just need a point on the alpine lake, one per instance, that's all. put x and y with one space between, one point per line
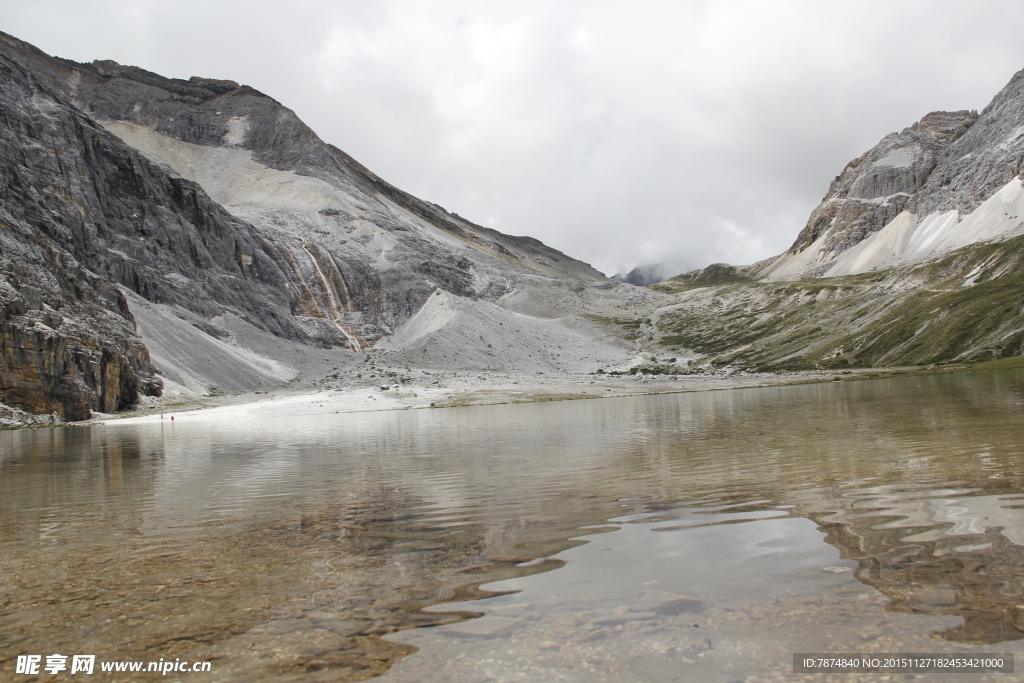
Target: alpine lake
687 537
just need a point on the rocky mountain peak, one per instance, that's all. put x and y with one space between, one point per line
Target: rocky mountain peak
874 188
922 183
981 160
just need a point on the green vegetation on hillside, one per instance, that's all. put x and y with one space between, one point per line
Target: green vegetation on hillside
966 307
629 326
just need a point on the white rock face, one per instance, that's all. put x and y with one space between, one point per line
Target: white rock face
229 174
950 180
238 128
901 157
908 240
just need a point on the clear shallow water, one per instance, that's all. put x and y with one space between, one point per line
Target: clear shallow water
697 536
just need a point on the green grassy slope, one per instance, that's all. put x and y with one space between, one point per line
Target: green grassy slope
968 306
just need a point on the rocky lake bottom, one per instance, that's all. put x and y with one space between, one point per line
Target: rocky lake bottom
699 536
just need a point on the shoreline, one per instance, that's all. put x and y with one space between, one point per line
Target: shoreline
452 390
471 389
458 391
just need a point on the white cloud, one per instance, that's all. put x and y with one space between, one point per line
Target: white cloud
618 132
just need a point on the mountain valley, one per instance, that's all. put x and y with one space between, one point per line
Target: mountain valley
169 243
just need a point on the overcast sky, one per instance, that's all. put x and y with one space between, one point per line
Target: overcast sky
622 133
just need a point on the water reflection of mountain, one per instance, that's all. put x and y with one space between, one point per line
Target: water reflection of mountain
953 552
54 481
920 480
214 543
361 520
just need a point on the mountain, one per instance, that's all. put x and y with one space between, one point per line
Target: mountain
156 226
195 237
915 256
641 276
949 180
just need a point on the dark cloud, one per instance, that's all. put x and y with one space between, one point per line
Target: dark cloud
622 133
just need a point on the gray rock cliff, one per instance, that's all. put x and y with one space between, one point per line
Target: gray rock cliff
67 341
946 162
213 197
874 188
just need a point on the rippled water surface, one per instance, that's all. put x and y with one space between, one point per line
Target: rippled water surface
704 536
